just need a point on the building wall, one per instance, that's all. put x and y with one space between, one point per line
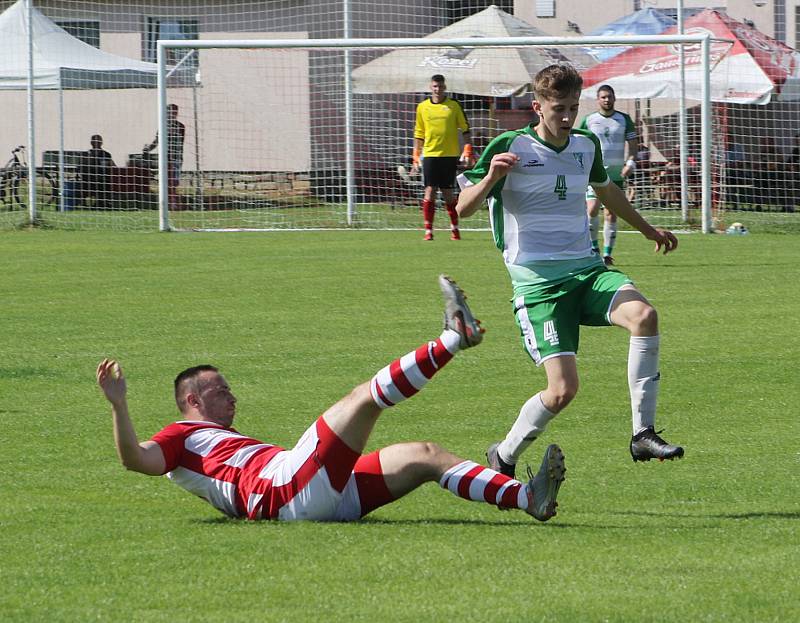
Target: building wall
590 15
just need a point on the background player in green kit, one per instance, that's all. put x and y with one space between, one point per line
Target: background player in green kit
535 182
616 131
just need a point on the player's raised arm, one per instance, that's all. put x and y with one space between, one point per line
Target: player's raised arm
472 197
614 199
146 457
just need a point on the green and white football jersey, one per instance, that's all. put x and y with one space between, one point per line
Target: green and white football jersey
538 210
613 131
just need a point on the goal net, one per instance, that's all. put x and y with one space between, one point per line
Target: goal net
277 136
299 136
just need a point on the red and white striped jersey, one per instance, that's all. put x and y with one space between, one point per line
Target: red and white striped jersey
218 464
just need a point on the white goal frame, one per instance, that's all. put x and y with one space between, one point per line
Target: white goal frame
704 41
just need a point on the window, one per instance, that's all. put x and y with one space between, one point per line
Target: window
459 9
157 28
545 8
797 27
88 32
779 7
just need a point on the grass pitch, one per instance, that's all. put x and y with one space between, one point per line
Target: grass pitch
294 320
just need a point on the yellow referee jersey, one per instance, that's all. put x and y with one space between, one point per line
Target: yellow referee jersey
438 125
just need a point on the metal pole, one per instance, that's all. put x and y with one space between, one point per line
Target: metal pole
163 140
348 114
31 122
60 143
198 178
705 137
430 42
682 124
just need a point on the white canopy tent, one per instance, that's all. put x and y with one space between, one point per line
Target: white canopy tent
60 61
496 72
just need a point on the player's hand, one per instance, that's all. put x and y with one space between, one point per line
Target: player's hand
501 164
664 239
111 381
414 169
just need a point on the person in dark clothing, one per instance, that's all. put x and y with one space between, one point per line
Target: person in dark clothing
94 173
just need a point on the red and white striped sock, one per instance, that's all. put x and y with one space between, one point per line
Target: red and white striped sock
475 482
404 377
428 212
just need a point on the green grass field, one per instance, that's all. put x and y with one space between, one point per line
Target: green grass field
294 320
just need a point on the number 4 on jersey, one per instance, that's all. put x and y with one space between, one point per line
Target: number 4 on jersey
561 187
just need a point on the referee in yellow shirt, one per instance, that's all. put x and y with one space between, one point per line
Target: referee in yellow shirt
436 144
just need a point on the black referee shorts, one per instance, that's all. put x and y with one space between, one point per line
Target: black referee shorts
439 172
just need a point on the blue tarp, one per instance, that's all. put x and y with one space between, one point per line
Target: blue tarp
645 22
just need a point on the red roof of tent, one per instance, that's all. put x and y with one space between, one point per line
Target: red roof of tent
751 70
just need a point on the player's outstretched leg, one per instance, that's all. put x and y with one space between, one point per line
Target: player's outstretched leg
543 487
395 471
474 482
457 315
404 377
353 417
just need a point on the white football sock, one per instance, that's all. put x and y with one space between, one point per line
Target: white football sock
531 422
643 380
609 236
594 225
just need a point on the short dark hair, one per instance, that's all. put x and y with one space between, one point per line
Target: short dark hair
96 137
172 107
437 78
187 382
606 87
559 80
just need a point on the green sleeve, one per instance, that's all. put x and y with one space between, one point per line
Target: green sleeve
499 145
583 125
630 126
598 173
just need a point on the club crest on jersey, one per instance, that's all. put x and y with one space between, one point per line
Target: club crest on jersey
579 159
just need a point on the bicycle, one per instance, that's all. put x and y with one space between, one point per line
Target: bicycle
14 182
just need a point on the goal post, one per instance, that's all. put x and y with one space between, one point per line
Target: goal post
314 167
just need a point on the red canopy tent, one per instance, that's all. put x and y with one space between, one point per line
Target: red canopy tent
754 69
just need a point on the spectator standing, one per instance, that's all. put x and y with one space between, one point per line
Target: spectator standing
176 132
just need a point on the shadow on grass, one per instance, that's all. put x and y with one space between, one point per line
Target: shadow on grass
370 521
751 515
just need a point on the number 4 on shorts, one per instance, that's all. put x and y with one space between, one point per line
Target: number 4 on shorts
550 333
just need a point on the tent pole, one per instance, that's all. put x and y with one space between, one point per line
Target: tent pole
31 122
682 123
60 143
